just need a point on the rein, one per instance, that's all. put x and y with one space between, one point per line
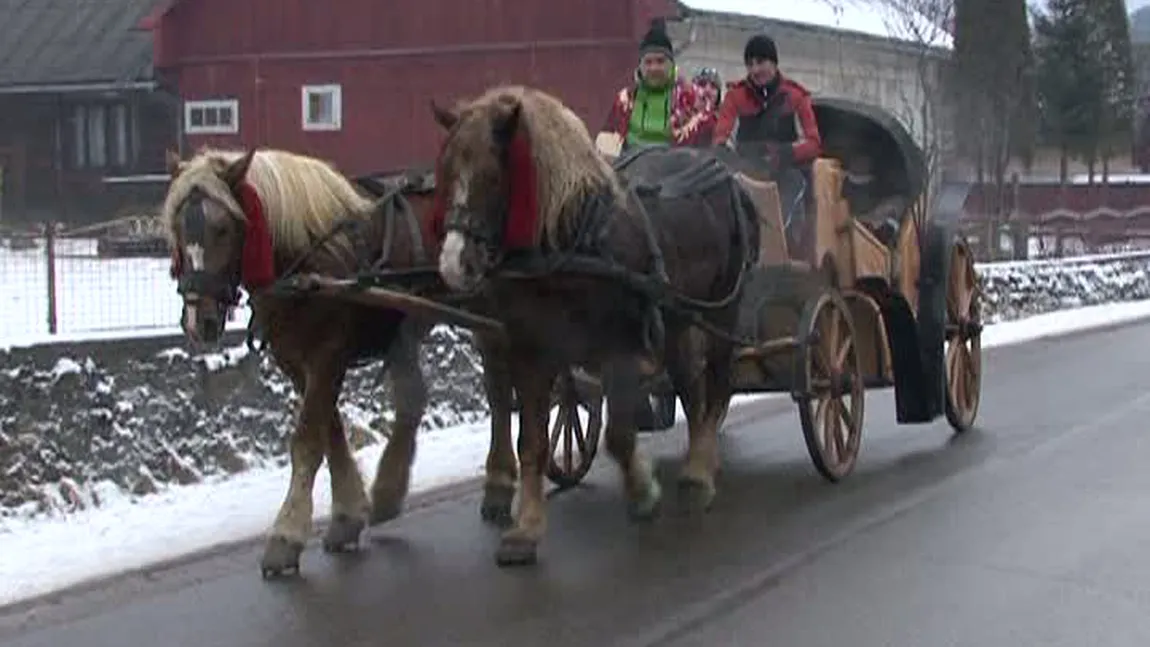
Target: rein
394 204
656 286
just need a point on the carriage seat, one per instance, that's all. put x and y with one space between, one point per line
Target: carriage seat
764 195
881 214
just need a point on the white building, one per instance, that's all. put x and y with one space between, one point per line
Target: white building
856 49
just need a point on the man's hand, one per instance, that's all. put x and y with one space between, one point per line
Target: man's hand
782 156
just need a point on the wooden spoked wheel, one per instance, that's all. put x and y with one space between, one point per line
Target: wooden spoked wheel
829 386
963 355
575 428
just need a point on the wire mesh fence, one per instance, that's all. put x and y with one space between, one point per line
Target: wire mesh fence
63 287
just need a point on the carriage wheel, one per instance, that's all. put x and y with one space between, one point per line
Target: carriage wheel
573 442
963 341
829 386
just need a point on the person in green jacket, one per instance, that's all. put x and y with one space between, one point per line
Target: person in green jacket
659 106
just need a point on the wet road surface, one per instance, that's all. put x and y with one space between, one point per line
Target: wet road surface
1031 530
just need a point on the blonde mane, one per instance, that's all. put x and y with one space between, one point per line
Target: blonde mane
303 197
568 165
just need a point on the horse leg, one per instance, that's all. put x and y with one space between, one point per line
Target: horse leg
348 501
502 470
697 391
622 388
308 445
393 473
533 380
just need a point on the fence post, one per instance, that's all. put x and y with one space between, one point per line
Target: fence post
50 243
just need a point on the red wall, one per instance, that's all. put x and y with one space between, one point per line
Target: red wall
390 61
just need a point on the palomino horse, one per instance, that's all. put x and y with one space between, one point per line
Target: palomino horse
520 179
244 219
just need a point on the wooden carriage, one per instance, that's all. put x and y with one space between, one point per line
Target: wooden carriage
882 292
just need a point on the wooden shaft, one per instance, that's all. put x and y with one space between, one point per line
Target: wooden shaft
350 290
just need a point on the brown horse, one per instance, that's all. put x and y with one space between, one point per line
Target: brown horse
663 244
237 219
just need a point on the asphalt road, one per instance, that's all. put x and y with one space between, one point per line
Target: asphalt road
1032 530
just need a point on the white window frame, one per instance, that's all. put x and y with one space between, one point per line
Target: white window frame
336 92
231 104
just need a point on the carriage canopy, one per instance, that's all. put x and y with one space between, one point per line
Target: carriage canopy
851 129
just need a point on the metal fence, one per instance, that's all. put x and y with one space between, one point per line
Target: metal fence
56 287
60 288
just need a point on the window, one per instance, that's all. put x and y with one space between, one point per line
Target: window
220 116
322 107
97 136
120 139
79 150
100 135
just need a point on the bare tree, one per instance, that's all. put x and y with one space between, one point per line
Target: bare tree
920 103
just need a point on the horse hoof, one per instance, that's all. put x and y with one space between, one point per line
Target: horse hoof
696 496
516 551
343 534
281 557
496 506
646 508
383 511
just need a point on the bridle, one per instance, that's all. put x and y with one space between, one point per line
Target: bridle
192 278
486 233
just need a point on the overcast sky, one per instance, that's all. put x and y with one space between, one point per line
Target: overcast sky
1134 4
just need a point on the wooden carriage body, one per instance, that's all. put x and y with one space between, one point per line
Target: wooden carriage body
896 284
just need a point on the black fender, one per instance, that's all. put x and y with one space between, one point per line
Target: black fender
937 243
906 360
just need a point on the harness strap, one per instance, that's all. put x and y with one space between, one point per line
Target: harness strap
395 205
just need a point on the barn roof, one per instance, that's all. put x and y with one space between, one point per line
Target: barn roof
877 18
62 44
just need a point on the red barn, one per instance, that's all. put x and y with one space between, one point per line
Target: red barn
350 80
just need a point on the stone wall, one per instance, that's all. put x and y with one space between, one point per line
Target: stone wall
76 419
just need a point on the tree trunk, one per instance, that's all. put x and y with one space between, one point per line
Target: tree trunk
1063 175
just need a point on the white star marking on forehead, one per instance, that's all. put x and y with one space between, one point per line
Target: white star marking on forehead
196 256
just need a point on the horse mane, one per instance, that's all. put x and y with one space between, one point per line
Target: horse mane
568 166
303 197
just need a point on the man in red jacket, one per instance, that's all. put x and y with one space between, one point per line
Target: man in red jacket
776 124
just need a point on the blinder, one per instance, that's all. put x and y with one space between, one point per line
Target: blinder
193 279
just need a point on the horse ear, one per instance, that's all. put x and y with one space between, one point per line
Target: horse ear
507 123
173 161
238 170
444 117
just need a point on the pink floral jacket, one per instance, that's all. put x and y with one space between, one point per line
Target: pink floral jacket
689 118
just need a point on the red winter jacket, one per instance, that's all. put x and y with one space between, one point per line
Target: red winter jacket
740 100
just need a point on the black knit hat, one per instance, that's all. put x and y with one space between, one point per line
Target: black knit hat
760 47
656 40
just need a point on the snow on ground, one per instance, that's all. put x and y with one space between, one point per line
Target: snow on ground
100 299
95 297
42 556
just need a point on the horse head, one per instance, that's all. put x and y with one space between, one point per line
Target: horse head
485 170
206 221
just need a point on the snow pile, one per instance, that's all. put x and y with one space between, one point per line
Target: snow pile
74 429
1021 289
80 425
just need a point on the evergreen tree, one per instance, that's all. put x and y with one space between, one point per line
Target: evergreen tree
1069 79
1087 78
1118 81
